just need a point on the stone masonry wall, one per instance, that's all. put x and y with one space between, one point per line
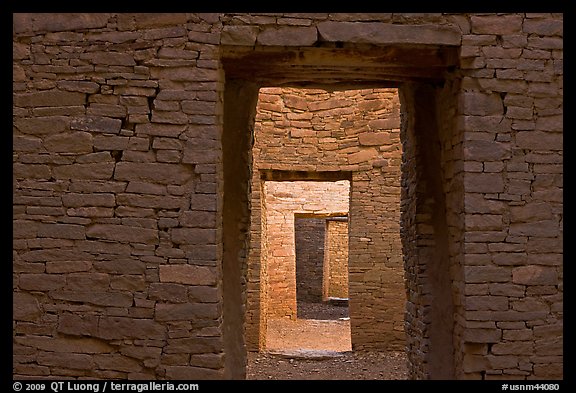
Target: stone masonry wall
335 282
119 219
351 130
309 253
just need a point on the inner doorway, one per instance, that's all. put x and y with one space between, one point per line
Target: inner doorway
429 97
297 215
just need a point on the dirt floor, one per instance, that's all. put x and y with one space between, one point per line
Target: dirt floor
317 346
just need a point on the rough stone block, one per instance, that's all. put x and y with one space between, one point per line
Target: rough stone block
68 344
113 58
108 299
69 143
97 171
123 233
42 125
192 373
43 22
25 307
186 312
163 173
384 33
239 35
541 228
363 155
97 124
374 139
188 274
535 275
55 98
530 212
483 222
486 303
75 361
121 328
78 325
481 104
287 36
198 219
483 183
193 236
62 231
513 348
478 150
545 27
539 140
481 274
496 24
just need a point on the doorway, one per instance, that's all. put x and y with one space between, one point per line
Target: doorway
426 161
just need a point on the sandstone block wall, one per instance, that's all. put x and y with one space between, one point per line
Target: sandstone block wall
335 283
131 261
309 243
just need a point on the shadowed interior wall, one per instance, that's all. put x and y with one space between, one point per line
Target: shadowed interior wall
309 247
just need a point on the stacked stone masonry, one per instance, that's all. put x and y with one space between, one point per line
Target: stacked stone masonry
133 258
309 234
335 274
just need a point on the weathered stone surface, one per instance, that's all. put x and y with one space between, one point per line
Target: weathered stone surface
192 373
474 103
66 345
539 140
382 33
74 142
534 275
193 236
78 325
496 24
42 282
49 98
79 86
108 299
483 183
42 125
97 124
96 171
35 22
153 172
287 36
374 138
239 35
168 292
92 199
186 311
541 228
484 222
198 219
362 156
66 360
120 328
486 150
123 233
26 307
121 266
188 274
480 274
